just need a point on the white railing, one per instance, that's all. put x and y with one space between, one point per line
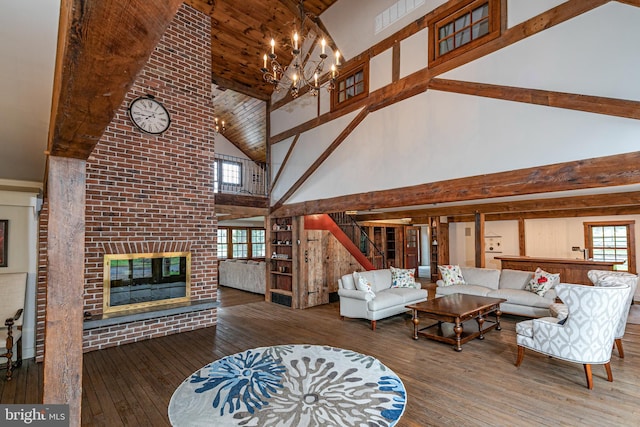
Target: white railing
239 176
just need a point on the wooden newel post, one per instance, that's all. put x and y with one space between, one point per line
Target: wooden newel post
65 285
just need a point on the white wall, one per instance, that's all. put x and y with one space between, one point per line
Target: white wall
20 209
437 136
224 146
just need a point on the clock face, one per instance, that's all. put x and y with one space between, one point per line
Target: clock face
149 115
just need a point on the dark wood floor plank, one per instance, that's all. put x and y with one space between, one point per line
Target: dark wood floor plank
479 386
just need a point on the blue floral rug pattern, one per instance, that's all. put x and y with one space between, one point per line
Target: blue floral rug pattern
290 386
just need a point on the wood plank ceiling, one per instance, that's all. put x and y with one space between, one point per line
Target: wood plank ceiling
240 36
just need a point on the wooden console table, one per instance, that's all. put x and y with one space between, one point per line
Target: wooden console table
571 270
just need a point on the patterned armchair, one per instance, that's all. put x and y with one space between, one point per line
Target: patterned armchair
587 334
607 278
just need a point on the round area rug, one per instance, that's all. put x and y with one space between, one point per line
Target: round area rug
290 385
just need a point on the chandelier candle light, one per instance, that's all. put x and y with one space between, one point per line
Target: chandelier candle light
273 73
219 128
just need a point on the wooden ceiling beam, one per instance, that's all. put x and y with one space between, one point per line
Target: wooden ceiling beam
518 207
236 200
102 47
609 171
561 213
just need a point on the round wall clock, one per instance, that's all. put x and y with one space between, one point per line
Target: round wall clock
149 115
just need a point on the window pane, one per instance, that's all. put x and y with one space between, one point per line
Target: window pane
446 46
222 243
231 173
446 30
480 12
359 88
480 29
463 21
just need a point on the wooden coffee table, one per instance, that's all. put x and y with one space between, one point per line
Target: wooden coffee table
456 309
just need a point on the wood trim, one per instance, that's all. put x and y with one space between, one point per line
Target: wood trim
65 285
565 213
606 171
335 144
284 162
479 240
592 202
522 239
395 62
571 101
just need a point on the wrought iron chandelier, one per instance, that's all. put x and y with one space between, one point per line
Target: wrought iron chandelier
219 126
300 73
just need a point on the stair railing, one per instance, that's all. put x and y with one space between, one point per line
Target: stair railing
360 238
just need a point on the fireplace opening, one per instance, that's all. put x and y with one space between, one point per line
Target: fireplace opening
133 281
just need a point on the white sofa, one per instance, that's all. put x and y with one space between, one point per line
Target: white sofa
244 275
507 284
387 301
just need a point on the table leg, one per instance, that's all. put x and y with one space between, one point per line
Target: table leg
498 314
415 321
480 321
458 330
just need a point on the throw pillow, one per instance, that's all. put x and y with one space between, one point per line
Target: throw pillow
542 282
362 284
562 322
451 275
401 278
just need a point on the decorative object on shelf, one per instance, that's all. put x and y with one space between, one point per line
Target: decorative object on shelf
279 256
290 385
219 125
149 115
297 74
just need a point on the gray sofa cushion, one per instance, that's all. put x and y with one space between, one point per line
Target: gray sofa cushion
385 299
514 279
487 277
516 296
481 291
379 279
347 282
408 295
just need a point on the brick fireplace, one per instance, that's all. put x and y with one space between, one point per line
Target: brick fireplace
153 194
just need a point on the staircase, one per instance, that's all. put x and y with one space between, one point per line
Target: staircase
360 239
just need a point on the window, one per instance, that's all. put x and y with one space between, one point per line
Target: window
258 248
612 241
226 173
223 245
240 243
462 29
351 86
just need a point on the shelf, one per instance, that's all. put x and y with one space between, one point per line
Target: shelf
277 273
281 292
281 244
281 259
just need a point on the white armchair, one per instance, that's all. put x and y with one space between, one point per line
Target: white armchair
12 294
607 278
587 334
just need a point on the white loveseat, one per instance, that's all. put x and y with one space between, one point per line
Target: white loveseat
507 284
244 275
387 301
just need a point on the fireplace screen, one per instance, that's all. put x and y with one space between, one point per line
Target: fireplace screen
145 280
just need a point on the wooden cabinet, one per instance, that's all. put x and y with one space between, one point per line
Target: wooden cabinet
282 233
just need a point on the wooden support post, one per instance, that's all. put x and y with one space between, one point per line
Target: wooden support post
65 285
521 238
479 240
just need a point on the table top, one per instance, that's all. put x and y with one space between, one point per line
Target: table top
456 304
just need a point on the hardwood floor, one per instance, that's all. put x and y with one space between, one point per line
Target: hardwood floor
131 385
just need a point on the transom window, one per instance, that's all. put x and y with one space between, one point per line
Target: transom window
612 241
351 86
460 30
